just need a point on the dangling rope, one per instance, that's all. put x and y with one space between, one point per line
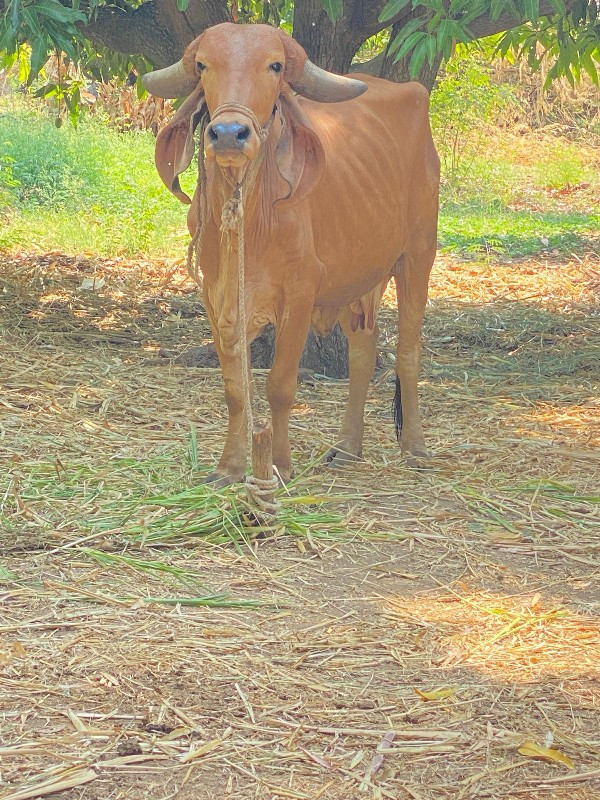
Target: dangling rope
232 221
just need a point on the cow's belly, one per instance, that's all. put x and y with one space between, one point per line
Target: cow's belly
343 293
354 267
359 237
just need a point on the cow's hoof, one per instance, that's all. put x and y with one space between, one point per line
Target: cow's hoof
283 475
216 480
335 458
418 458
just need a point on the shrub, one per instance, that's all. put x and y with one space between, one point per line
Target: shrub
463 103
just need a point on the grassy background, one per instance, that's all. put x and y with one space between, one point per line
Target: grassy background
94 189
510 188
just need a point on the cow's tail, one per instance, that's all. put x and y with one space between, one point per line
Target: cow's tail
397 409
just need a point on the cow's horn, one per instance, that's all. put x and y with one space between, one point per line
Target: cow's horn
171 81
325 87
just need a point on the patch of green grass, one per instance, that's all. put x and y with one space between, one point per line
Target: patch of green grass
96 189
473 229
90 189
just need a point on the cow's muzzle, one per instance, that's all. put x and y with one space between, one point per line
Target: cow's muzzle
234 135
228 136
231 139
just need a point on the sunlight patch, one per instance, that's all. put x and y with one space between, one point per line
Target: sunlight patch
509 638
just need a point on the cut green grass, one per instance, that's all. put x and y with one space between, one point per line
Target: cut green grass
107 512
141 503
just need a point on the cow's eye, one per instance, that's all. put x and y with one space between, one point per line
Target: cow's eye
276 66
200 66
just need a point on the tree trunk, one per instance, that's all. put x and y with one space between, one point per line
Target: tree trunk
330 45
324 356
155 29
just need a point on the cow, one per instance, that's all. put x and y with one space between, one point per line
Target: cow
343 196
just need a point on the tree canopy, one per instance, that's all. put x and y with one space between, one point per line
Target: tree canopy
107 39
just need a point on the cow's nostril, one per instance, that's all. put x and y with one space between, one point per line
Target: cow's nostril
228 135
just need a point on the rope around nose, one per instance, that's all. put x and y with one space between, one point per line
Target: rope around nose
232 221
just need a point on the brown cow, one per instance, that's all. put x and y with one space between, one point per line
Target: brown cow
345 195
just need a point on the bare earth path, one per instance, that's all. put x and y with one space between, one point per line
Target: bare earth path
418 636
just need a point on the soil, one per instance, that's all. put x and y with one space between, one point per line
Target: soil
422 652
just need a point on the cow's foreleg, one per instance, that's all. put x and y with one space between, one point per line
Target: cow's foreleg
282 382
362 356
232 464
412 277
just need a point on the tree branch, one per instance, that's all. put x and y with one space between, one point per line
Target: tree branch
484 26
384 66
156 29
364 17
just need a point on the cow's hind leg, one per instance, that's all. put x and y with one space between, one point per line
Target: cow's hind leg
362 356
412 278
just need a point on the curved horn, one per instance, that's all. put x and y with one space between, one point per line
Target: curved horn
325 87
170 82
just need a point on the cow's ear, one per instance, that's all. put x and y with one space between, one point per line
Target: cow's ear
299 155
175 143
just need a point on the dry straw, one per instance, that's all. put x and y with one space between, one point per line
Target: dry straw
397 635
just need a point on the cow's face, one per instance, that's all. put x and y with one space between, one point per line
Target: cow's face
241 74
241 70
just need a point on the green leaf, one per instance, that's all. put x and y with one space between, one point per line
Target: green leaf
496 9
141 92
451 29
183 4
531 10
418 57
32 21
334 8
587 63
409 28
47 90
391 9
54 10
409 43
39 53
432 49
14 15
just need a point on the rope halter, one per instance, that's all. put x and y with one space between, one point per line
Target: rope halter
262 131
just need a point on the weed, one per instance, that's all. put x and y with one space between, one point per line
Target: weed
463 103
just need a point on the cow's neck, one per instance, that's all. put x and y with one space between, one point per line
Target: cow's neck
259 194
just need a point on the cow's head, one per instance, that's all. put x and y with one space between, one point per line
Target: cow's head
243 75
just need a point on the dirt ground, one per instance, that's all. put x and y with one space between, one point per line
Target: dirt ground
432 635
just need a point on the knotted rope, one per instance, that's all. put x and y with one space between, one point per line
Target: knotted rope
232 221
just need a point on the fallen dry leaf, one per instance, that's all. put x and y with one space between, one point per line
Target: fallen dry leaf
436 694
533 750
92 284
